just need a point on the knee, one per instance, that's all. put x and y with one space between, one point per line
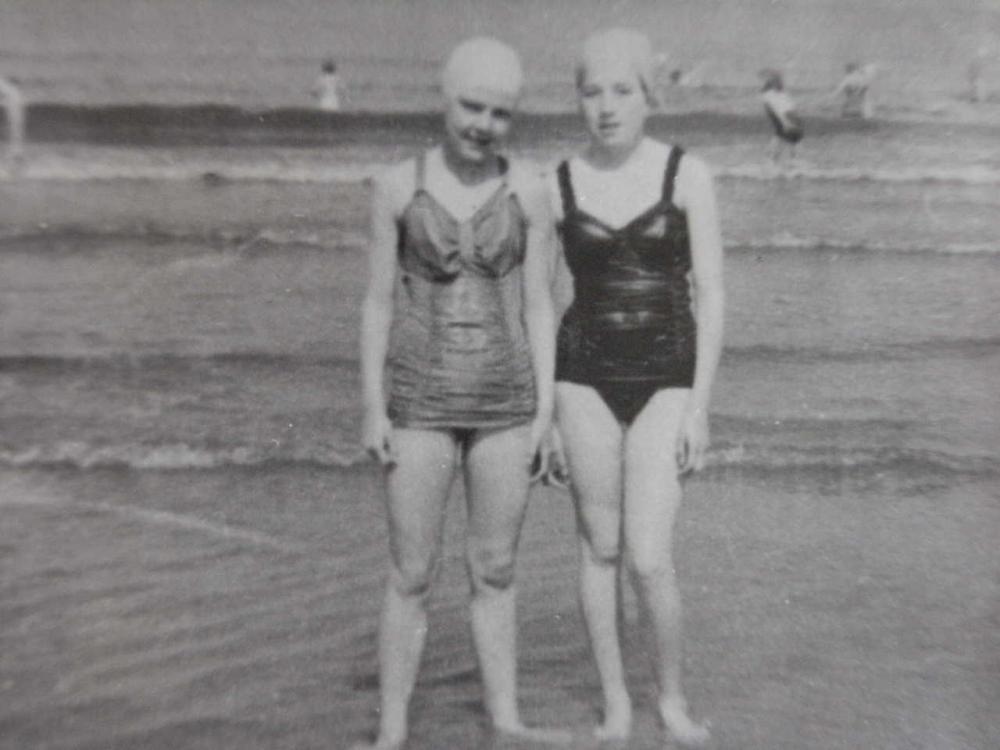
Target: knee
602 551
491 568
652 566
412 578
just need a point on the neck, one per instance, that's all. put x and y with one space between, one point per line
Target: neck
601 156
466 171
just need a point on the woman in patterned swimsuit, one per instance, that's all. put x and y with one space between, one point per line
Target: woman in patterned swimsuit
632 376
457 350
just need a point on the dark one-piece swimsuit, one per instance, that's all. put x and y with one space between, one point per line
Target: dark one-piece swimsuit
630 330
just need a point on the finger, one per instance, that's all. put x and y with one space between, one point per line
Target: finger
539 466
388 457
682 454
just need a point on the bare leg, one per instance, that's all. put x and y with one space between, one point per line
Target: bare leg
592 440
497 466
417 489
652 497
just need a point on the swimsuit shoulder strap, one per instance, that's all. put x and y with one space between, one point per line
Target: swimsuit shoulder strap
670 177
566 188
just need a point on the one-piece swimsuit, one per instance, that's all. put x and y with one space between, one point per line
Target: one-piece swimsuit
459 357
630 330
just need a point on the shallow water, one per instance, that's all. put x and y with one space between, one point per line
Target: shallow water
191 553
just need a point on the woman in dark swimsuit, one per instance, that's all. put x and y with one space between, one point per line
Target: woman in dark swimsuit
635 358
456 362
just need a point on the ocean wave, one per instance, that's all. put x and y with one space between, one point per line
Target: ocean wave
338 239
919 351
791 241
243 240
158 361
901 460
81 455
755 456
79 170
967 175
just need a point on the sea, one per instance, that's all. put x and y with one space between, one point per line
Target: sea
192 544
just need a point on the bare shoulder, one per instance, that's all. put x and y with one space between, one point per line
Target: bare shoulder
393 185
694 180
527 180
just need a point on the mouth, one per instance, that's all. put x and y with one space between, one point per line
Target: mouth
478 140
608 128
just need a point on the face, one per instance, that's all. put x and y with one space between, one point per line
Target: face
614 103
477 122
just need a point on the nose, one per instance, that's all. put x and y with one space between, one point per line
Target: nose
606 103
483 121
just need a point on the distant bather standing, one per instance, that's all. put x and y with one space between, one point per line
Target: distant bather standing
781 111
326 90
13 103
855 87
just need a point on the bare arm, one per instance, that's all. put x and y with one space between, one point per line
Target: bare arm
698 195
539 314
376 318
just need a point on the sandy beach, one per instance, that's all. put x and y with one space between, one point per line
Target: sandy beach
237 609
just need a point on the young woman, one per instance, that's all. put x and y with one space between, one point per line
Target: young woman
457 350
636 356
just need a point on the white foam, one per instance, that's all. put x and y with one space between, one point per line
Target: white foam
130 166
967 175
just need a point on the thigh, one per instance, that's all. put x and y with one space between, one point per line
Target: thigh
652 486
497 472
417 489
592 441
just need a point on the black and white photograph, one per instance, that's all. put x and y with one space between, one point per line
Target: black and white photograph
499 374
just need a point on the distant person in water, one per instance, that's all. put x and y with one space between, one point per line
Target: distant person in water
974 74
457 357
637 352
781 111
13 104
326 90
855 87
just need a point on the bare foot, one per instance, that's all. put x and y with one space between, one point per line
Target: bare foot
535 734
673 711
617 721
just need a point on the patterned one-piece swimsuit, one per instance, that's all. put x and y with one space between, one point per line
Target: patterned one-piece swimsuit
459 356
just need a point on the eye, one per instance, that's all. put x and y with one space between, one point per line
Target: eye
472 106
588 91
501 113
624 89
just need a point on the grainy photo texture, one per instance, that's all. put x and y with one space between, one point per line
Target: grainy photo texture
389 374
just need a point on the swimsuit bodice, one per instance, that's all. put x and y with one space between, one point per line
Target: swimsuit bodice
633 272
436 246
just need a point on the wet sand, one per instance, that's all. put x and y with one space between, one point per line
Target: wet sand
231 608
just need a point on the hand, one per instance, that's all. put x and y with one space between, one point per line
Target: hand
692 441
376 437
550 464
536 446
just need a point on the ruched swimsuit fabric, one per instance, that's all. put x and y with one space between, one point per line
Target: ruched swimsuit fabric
459 356
630 330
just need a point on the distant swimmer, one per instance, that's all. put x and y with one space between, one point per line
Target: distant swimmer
326 90
782 113
855 87
13 104
974 74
